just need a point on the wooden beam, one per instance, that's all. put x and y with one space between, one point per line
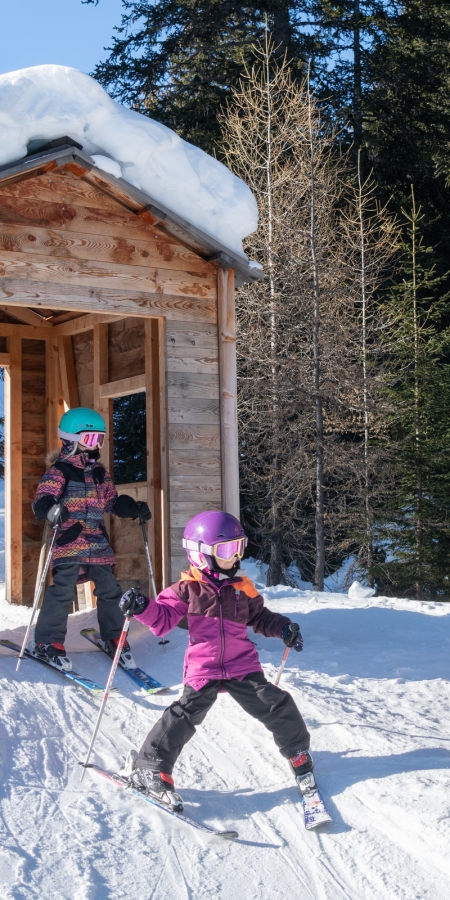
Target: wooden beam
54 406
85 323
102 404
122 388
13 472
163 455
89 299
67 372
23 314
30 332
228 391
153 465
4 359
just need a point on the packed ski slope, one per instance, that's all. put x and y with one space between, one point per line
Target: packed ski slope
373 684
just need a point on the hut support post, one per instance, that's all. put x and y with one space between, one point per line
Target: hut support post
228 392
156 447
13 471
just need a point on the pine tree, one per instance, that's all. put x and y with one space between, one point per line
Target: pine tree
178 60
407 119
348 29
415 530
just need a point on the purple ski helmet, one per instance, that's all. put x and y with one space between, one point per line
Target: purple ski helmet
213 534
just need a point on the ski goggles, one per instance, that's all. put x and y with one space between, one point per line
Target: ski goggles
88 439
223 550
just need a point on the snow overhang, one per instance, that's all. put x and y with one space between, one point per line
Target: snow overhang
68 155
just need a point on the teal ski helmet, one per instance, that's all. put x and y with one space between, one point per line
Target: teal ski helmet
80 420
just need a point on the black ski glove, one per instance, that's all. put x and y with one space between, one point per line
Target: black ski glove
57 514
127 508
143 511
133 604
291 636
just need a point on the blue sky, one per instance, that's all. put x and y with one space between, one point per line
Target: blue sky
66 32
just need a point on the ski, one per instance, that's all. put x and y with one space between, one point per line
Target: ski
314 809
149 684
73 676
122 782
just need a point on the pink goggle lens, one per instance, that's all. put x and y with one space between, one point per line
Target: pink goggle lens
91 439
228 549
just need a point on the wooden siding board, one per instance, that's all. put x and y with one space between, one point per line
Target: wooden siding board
62 188
185 334
120 249
194 462
86 300
126 348
199 412
195 360
76 218
196 488
195 437
189 386
100 275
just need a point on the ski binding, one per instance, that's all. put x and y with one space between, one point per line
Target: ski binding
73 676
149 684
230 835
314 809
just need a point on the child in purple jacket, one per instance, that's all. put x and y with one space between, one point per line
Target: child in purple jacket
219 605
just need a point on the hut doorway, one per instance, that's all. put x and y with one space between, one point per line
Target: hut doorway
83 360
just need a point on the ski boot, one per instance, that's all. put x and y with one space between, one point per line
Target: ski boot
54 654
302 766
158 785
126 658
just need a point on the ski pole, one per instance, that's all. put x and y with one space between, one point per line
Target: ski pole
282 665
39 588
147 553
115 663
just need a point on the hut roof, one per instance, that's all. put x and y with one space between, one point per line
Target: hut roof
146 161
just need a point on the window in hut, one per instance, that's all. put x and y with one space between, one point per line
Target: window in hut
129 439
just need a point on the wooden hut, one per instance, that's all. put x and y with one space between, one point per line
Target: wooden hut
105 293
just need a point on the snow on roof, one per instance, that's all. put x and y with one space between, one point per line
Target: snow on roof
44 102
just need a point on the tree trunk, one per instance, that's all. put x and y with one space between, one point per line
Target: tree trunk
357 88
319 572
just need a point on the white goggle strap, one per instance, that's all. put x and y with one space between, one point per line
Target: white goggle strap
199 546
66 436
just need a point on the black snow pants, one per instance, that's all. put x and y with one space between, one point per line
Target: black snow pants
51 624
262 700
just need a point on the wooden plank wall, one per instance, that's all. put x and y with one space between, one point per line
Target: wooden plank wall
33 456
66 245
193 427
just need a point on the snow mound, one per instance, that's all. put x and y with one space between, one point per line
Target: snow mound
357 591
47 102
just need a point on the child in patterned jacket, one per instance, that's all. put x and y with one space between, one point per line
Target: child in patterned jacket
219 603
75 493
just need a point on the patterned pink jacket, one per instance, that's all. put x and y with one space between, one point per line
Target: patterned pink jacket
218 614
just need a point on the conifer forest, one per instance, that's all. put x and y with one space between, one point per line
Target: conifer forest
336 113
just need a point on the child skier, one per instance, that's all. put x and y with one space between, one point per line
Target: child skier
74 493
219 604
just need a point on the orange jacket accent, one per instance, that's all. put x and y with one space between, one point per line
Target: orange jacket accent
243 583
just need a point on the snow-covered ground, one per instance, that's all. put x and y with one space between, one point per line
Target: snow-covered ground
373 685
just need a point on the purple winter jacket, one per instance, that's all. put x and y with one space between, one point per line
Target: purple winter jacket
218 614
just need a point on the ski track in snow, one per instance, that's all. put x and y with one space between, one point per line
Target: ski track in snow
373 684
